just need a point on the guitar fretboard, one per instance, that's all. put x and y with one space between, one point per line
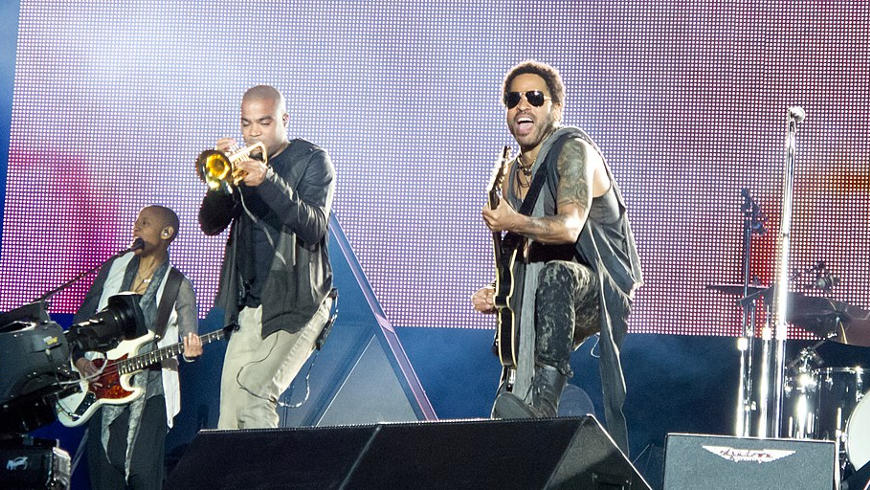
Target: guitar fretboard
148 359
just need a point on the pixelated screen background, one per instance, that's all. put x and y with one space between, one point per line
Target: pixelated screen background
113 101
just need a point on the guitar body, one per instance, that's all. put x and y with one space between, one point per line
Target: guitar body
121 363
505 249
115 389
506 328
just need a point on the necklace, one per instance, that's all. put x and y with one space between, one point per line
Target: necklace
520 183
526 169
140 284
143 279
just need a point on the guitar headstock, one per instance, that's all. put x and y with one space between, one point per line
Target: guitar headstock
497 176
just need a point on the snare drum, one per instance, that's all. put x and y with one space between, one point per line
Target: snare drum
858 434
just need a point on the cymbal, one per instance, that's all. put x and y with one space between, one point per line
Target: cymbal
856 327
829 319
833 320
735 289
820 316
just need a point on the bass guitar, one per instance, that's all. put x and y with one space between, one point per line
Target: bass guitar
121 363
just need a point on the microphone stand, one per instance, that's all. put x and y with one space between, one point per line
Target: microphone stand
753 223
770 423
136 245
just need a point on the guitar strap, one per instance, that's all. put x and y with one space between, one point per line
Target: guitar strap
167 301
541 175
526 208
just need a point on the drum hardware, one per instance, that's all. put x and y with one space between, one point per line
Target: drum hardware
807 360
808 384
824 279
753 224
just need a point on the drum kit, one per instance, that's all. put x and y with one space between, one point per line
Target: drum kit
825 402
798 398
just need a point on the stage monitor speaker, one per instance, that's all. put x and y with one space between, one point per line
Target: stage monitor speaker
713 461
38 464
523 454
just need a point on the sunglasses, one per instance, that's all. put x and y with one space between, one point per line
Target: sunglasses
534 97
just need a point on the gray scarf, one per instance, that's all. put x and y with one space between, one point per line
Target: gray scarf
148 378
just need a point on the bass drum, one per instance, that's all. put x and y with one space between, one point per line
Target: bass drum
858 434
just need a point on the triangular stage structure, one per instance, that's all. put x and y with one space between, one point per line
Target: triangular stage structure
361 376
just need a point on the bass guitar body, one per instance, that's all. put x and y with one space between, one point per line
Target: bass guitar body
111 387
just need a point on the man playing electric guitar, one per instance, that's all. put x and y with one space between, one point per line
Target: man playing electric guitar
577 275
126 442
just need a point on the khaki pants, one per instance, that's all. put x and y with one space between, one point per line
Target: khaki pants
257 371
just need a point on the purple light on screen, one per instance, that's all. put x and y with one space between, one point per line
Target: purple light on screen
113 102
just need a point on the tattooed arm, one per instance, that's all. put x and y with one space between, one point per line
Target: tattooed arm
577 166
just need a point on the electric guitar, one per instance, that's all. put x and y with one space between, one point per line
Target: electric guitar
115 388
505 249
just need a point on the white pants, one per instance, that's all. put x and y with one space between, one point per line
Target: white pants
257 371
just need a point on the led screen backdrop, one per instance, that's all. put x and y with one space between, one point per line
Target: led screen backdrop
114 100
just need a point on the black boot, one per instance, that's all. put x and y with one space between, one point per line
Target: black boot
547 386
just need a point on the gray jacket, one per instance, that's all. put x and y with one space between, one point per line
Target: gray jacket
298 194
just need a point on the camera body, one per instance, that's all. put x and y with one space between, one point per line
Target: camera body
35 357
35 365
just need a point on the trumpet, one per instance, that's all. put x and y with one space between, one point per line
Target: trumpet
215 167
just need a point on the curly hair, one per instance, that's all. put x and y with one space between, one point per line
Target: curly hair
549 73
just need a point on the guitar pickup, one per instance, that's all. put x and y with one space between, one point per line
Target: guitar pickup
86 403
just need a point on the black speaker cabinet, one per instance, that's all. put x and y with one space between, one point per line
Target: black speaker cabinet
709 461
504 454
34 464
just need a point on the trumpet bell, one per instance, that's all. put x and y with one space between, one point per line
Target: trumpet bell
213 167
217 168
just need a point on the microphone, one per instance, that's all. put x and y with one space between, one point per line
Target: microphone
751 209
138 244
818 267
826 281
749 203
797 113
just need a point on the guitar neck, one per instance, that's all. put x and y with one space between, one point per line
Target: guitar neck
148 359
494 195
493 199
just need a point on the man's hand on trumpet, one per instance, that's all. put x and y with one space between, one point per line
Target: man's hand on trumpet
251 172
226 145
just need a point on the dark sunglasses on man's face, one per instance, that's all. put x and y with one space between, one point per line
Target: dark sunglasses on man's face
535 97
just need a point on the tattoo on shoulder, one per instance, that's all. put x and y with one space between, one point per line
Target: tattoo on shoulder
574 187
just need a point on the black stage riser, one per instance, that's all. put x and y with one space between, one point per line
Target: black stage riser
725 462
520 454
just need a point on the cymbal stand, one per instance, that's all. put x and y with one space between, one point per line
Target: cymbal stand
753 224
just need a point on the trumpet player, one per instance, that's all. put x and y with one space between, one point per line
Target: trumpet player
276 272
